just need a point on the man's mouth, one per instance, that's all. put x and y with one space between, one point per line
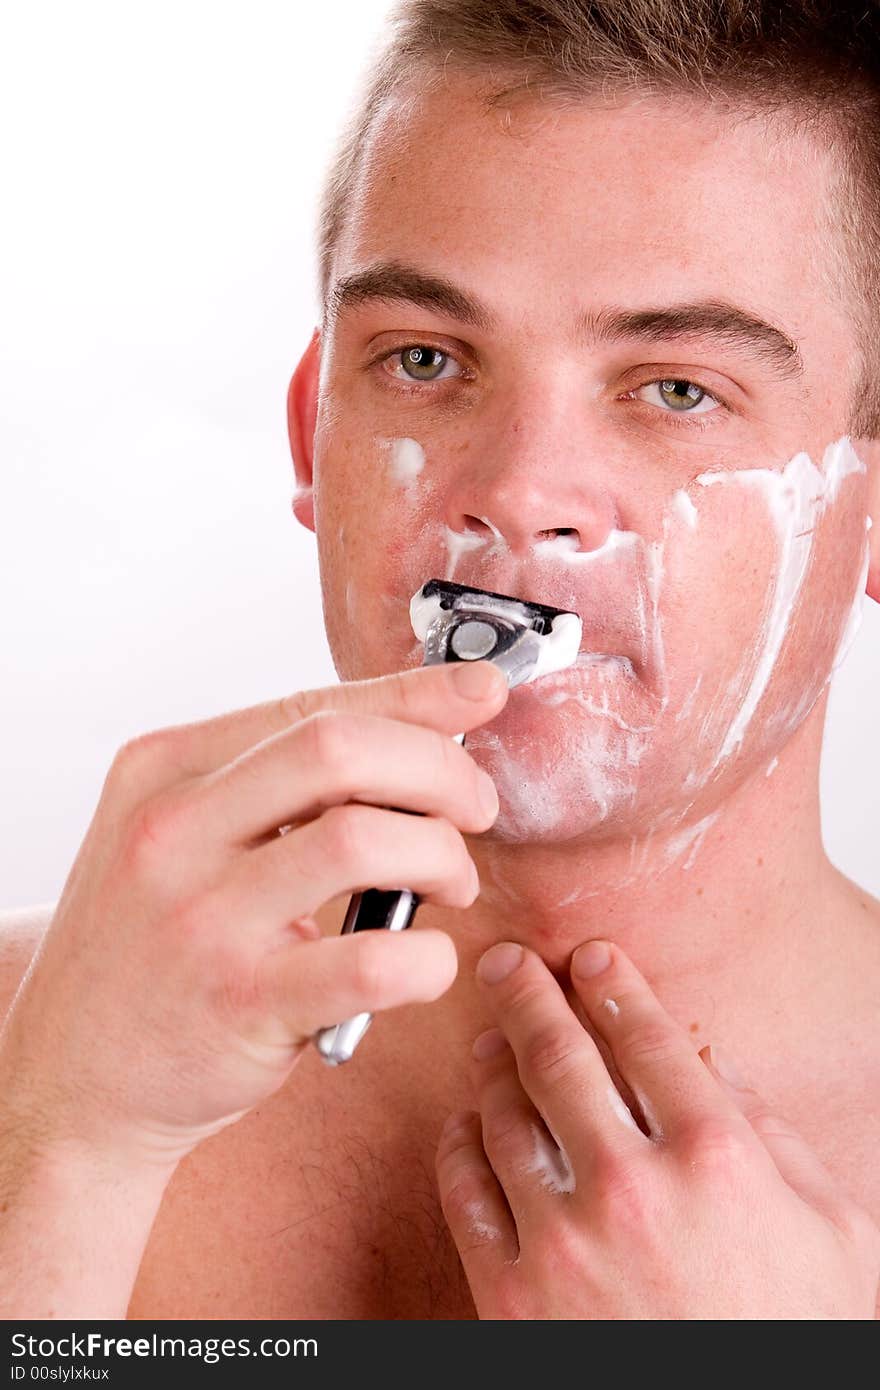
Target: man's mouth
606 665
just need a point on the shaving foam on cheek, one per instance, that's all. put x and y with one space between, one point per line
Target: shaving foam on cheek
796 498
683 506
408 459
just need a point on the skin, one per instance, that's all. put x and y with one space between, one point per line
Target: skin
607 1232
172 1146
542 433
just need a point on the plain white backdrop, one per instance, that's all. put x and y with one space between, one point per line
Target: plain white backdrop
160 167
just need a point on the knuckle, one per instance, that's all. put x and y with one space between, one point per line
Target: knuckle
295 707
648 1040
163 820
566 1255
549 1054
527 994
237 991
346 832
335 741
507 1130
714 1148
464 1195
138 761
371 968
623 1194
768 1125
410 695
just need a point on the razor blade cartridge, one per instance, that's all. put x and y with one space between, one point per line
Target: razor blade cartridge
525 639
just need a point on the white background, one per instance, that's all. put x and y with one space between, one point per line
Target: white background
159 169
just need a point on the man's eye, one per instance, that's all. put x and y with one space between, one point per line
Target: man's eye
681 396
419 363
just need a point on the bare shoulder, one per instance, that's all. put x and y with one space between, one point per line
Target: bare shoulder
857 920
868 906
21 931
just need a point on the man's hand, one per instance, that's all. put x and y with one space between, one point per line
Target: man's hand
183 972
562 1207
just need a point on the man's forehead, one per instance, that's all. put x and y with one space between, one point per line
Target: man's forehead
419 115
649 174
478 217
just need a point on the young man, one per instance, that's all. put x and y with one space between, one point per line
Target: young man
600 331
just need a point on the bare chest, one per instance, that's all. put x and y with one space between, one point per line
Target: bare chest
259 1225
263 1224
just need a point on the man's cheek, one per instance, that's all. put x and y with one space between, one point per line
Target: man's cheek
377 540
834 587
783 604
715 602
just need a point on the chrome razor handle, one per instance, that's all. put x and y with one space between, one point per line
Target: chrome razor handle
374 909
367 911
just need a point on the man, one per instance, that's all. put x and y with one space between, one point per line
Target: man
600 338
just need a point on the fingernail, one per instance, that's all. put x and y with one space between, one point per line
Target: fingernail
489 1044
726 1068
499 962
591 959
474 680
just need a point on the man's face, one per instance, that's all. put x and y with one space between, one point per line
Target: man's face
531 450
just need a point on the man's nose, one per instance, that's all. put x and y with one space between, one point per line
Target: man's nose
531 490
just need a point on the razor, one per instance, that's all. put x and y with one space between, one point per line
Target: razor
524 640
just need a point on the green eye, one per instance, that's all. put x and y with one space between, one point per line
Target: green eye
422 362
681 395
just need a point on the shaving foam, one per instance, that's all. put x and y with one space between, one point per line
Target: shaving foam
407 460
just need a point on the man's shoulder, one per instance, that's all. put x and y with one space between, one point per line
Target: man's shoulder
21 931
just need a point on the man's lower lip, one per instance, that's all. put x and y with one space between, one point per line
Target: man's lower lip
588 658
587 661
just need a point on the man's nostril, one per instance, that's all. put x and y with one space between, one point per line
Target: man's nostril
558 531
477 526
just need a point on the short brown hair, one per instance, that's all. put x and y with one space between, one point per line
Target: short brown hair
815 63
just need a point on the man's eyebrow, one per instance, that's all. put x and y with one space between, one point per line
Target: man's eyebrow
726 323
391 281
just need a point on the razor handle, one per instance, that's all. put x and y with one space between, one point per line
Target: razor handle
373 909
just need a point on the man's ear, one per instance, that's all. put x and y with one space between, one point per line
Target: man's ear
302 414
868 451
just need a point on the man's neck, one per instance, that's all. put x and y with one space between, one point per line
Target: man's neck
733 930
